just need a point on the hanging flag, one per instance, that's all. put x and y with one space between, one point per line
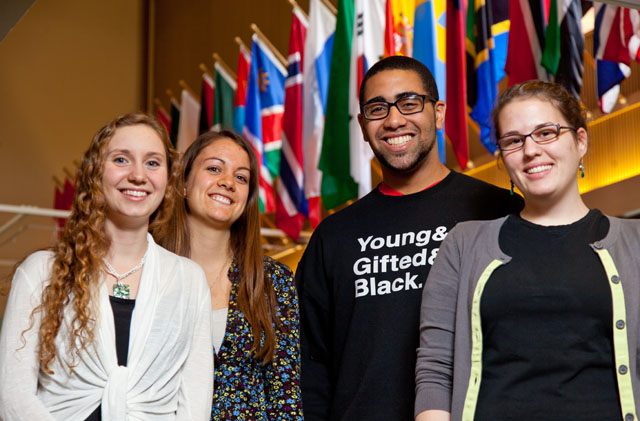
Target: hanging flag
615 44
240 100
564 44
486 55
189 121
264 112
429 47
317 60
398 27
367 48
338 186
456 116
206 103
175 122
224 96
164 116
526 40
291 204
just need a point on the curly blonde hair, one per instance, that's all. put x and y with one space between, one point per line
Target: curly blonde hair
77 264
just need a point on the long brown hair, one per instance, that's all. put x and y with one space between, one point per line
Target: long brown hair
78 255
255 291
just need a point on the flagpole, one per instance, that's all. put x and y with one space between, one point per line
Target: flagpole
172 98
330 6
186 87
296 6
273 49
204 69
57 182
158 103
218 59
238 41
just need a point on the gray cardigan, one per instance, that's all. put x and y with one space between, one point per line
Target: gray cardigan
449 363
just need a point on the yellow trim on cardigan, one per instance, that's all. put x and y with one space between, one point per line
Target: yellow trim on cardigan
620 339
471 400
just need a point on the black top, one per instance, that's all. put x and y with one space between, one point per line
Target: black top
547 326
122 311
360 287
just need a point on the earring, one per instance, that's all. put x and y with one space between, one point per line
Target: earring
511 191
581 168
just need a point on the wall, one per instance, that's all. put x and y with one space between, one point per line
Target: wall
67 67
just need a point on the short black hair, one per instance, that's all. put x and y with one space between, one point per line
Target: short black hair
402 63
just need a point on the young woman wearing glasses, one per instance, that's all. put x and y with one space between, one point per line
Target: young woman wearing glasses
537 315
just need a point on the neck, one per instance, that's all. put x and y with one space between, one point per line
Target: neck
209 246
128 244
550 212
427 174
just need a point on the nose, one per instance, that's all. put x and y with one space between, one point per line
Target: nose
227 182
137 174
529 146
395 118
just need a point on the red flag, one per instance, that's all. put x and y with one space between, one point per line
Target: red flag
456 116
526 40
163 115
389 39
206 101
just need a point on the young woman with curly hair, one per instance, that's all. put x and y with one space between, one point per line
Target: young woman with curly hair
255 323
107 324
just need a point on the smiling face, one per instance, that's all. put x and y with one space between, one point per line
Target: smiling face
218 185
135 174
543 173
402 143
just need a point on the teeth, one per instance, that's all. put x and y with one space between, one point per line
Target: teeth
539 168
399 140
136 193
221 199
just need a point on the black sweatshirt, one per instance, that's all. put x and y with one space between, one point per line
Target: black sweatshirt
360 285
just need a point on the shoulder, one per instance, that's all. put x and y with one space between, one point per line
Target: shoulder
275 269
475 232
38 264
627 229
188 269
488 200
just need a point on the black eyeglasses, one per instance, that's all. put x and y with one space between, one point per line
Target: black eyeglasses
541 135
410 104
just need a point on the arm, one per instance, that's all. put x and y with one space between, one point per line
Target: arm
282 375
434 365
312 283
19 363
196 391
434 415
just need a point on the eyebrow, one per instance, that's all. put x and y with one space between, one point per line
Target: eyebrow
128 152
380 98
513 132
224 162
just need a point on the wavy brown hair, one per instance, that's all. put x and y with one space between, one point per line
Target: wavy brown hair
77 260
255 291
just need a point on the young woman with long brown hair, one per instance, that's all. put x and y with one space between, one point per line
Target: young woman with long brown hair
107 324
254 302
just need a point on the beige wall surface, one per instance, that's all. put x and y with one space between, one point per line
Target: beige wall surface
66 68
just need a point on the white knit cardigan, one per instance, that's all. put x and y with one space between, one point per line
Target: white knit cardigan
169 372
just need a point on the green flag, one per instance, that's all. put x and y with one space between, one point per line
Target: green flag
223 98
337 185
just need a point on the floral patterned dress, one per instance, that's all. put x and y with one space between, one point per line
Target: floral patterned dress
244 388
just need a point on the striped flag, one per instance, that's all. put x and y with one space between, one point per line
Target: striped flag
338 186
456 117
526 40
223 99
263 119
291 205
164 116
487 35
564 44
398 27
429 47
615 44
206 103
189 121
367 49
317 60
240 99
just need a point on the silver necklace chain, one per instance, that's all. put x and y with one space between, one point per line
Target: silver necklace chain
120 289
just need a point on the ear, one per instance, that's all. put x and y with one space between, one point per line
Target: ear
440 109
362 121
583 141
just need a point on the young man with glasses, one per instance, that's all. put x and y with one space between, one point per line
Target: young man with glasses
361 277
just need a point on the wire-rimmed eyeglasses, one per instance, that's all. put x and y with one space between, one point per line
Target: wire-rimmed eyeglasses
541 135
409 104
